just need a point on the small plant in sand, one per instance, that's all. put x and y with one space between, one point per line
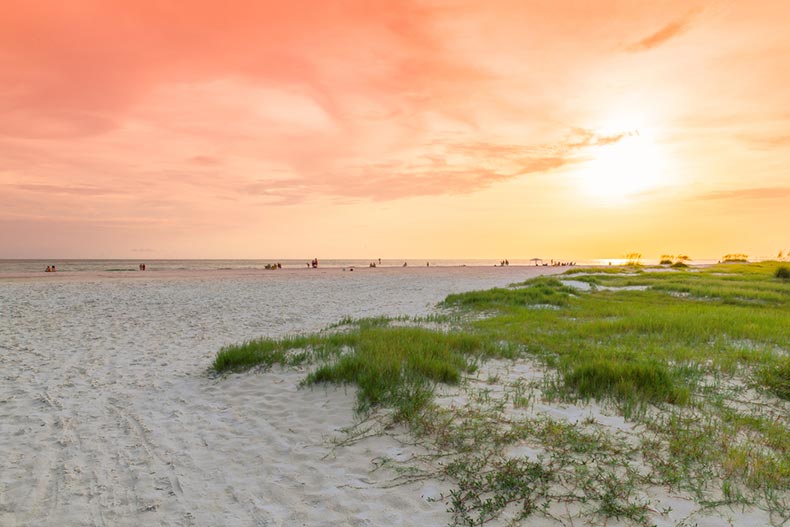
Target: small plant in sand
678 262
633 259
735 258
776 378
681 261
782 272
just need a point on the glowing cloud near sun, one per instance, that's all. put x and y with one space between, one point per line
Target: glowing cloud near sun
620 170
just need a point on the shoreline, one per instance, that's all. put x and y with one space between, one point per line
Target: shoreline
166 274
18 267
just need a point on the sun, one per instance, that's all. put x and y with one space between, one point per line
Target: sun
630 164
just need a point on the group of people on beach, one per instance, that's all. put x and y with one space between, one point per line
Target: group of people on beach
558 263
313 264
50 269
277 265
141 267
504 263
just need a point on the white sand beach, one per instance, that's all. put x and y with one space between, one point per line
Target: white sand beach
110 417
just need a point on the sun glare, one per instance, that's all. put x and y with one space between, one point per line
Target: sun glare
624 168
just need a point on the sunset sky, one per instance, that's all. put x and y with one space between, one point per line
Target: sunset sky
394 129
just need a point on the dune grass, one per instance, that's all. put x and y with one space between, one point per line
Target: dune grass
391 366
397 367
683 356
627 380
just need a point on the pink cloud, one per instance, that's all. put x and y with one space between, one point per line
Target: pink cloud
76 67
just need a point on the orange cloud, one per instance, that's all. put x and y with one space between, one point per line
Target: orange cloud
666 33
475 166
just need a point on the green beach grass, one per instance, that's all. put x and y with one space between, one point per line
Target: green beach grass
697 360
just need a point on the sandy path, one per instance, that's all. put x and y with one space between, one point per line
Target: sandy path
109 418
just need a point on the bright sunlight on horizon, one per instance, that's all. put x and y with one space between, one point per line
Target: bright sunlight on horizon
411 129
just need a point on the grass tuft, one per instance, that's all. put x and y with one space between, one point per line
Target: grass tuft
776 378
539 291
648 381
397 367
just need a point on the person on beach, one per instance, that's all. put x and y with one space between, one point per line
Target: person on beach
49 269
53 269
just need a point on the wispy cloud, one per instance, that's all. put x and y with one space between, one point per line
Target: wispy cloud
766 142
747 194
206 160
62 189
447 168
666 33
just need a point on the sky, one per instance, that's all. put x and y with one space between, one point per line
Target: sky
398 129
